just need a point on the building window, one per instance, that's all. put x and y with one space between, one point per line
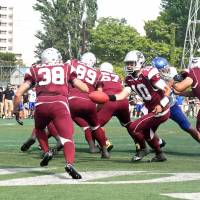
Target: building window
3 8
10 16
3 40
3 32
10 48
10 40
3 23
10 24
10 32
3 16
2 48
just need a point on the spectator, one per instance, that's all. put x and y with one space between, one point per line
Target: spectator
8 101
1 103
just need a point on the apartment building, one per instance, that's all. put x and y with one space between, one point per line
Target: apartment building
6 30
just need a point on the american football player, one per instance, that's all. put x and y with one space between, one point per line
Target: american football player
190 79
176 114
83 110
52 79
147 83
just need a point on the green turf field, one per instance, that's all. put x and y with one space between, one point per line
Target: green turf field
21 177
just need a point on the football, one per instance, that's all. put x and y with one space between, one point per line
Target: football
99 97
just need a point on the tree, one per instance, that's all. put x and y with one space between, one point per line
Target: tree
157 30
112 39
176 11
7 65
62 23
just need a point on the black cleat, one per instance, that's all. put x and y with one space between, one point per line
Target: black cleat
27 144
163 143
140 154
47 157
159 158
72 172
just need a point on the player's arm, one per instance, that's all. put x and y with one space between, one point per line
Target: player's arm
164 102
80 85
122 95
17 99
186 93
183 85
18 95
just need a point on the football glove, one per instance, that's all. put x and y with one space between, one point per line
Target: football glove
17 118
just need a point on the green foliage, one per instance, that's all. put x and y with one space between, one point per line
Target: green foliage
112 39
7 58
176 11
62 23
157 30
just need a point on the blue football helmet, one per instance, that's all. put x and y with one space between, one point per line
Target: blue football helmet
162 65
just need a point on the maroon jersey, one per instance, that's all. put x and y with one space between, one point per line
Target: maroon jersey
88 75
51 80
144 87
111 83
194 74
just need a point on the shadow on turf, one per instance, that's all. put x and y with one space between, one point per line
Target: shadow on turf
168 152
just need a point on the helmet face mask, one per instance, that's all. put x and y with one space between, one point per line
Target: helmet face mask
195 62
134 61
51 56
89 59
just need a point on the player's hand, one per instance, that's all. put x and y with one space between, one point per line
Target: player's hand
157 109
17 118
167 90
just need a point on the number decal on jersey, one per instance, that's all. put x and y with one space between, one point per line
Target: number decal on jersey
86 74
109 77
143 91
54 75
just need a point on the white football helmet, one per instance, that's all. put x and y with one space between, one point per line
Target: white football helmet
51 56
106 67
89 59
134 61
195 62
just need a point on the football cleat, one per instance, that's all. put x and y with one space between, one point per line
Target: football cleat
27 144
159 158
140 154
163 143
93 148
72 172
109 145
47 157
104 153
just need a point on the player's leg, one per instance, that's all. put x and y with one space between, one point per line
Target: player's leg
105 113
180 118
66 138
42 118
29 142
144 125
52 132
88 133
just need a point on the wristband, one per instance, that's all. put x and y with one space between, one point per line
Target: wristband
112 97
164 101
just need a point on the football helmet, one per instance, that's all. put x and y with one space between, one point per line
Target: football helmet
51 56
89 59
195 62
106 67
134 61
162 65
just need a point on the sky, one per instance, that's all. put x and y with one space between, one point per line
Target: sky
27 21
